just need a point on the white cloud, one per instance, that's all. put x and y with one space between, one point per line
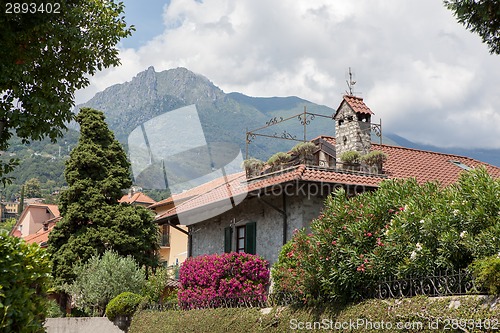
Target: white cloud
424 74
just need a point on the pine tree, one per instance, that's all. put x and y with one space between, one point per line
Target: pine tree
92 219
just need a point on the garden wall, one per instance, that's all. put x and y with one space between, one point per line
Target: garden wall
81 325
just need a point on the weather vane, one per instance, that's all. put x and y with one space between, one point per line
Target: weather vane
350 83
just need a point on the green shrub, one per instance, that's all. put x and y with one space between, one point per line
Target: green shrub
155 288
103 278
124 304
54 310
24 279
253 166
278 160
487 273
352 157
374 157
304 150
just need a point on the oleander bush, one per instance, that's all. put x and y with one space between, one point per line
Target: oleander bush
24 280
404 228
487 273
208 280
124 304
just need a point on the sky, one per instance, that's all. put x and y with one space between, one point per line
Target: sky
428 78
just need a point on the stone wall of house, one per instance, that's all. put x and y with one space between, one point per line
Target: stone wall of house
351 134
208 236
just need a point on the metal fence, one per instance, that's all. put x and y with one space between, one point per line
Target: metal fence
244 301
445 283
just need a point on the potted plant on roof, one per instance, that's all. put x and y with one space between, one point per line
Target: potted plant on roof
350 160
375 159
305 152
253 167
278 161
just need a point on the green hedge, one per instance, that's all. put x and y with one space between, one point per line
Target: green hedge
124 304
421 313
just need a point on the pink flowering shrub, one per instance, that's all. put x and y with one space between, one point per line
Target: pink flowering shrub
211 280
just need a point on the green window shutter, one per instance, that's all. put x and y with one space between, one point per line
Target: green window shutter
251 237
228 237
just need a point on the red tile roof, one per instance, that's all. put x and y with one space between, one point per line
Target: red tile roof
401 163
425 165
138 198
357 104
41 237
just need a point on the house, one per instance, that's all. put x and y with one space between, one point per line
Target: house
136 197
173 242
35 218
174 238
8 210
273 204
41 237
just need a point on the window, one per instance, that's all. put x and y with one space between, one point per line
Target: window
240 239
244 238
461 165
165 235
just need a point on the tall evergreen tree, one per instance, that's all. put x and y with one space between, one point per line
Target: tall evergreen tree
93 220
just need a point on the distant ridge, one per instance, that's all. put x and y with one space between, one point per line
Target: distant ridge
227 116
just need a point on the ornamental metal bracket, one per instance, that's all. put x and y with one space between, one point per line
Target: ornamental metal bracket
305 118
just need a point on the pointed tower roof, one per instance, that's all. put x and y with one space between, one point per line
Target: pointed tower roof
356 104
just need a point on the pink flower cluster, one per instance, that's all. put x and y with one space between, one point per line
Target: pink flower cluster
209 280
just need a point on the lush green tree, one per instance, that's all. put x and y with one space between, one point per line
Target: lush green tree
24 280
93 220
102 278
481 17
47 54
32 188
8 224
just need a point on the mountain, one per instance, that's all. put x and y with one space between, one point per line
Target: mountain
224 117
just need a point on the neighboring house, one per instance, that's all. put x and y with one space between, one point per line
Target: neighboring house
41 237
34 218
274 204
173 242
137 198
8 210
174 238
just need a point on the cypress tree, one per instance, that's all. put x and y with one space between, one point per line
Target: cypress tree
92 219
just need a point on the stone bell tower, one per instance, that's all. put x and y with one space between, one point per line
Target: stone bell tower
352 126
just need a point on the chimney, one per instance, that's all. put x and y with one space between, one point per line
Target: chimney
352 126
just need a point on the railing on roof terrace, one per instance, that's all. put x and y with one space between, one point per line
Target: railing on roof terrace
339 168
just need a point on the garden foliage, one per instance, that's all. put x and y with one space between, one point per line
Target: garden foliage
24 279
156 289
101 279
124 304
207 280
404 228
487 273
92 218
